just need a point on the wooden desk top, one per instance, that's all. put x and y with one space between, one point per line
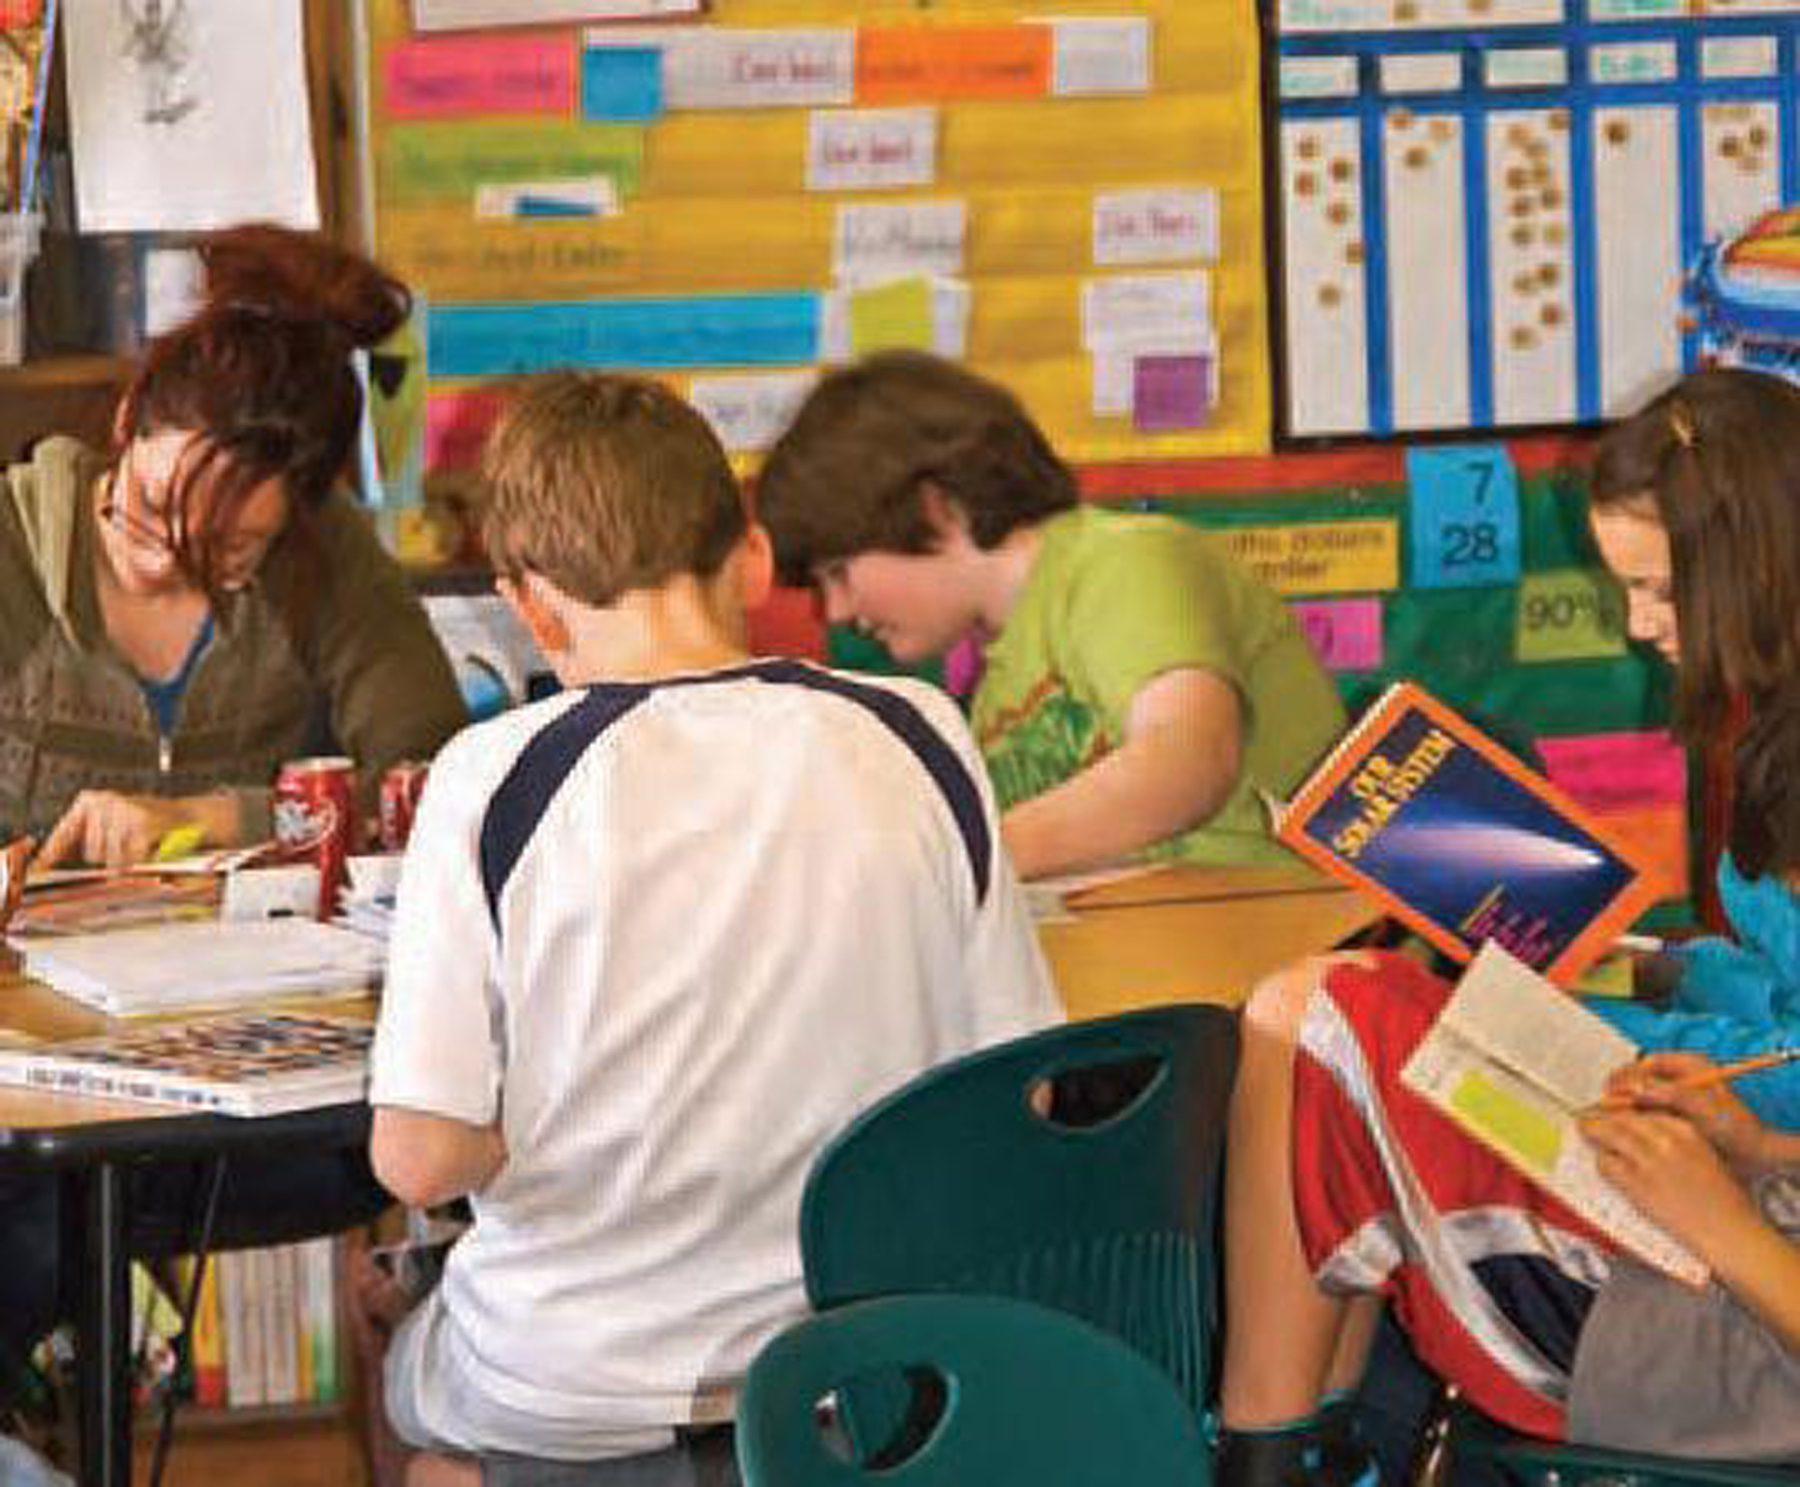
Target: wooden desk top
1191 934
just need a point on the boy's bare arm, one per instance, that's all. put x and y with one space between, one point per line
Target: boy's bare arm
424 1160
1179 761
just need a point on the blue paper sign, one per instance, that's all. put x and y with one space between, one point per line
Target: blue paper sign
701 330
621 84
1464 516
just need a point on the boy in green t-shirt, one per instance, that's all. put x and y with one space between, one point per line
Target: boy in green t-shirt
1141 686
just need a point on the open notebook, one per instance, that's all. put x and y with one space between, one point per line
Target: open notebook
217 963
1513 1060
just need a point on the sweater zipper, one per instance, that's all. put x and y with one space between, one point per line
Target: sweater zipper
165 754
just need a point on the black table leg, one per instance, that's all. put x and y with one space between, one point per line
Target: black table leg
103 1330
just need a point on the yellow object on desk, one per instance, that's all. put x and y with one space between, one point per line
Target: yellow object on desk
1194 934
179 841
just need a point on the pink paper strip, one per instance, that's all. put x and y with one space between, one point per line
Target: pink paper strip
1345 633
457 424
1618 771
452 76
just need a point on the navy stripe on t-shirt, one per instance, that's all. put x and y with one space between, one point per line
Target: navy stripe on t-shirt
524 795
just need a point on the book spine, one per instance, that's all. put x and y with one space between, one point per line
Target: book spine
244 1373
208 1349
281 1325
319 1266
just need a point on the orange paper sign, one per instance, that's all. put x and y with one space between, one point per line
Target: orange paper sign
931 64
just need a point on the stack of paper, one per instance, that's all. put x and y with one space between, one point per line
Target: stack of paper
175 967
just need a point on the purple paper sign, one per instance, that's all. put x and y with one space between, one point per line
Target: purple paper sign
1171 392
1345 633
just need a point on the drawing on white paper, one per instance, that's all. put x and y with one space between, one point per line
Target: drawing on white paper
159 42
186 115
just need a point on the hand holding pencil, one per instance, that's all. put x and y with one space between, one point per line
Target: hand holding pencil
1699 1090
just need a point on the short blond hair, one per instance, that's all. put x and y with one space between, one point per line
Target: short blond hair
605 483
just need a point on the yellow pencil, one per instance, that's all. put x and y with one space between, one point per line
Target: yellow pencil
1700 1078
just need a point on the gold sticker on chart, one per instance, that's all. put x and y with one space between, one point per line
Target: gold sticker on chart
1617 131
1353 252
1551 315
1417 157
1522 338
1342 170
1337 213
1330 296
1307 147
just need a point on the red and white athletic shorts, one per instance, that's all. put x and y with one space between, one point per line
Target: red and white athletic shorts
1490 1276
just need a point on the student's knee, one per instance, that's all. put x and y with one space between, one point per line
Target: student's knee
1278 1002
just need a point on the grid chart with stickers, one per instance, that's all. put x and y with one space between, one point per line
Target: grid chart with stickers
1487 207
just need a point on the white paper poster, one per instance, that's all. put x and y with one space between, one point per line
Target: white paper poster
189 116
889 240
860 149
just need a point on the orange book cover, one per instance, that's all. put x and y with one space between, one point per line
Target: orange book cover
1460 840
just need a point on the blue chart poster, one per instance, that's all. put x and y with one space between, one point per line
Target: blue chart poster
1488 207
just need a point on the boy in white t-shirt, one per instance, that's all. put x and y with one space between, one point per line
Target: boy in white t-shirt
658 937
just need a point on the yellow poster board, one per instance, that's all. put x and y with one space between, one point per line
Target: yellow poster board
759 191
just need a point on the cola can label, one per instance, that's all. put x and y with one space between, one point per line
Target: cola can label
314 810
401 787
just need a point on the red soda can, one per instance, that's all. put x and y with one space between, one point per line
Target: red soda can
401 787
314 812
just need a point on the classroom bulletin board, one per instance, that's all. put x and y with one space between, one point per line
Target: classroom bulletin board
1489 208
1069 201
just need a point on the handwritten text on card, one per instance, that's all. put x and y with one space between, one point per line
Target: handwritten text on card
860 149
1156 226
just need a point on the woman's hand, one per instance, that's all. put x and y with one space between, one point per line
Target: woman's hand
107 829
1672 1172
1654 1082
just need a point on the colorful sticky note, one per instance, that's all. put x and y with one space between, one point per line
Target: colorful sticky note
1326 557
1464 515
903 64
702 330
1628 770
1345 634
445 160
1569 614
1521 1130
1171 392
449 76
893 314
621 83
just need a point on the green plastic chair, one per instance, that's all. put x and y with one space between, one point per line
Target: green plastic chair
1538 1463
1030 1396
956 1183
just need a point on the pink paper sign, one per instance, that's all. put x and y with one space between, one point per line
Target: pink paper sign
456 426
1618 771
452 76
1345 633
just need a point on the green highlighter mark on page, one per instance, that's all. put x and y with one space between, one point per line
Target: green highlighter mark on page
1508 1121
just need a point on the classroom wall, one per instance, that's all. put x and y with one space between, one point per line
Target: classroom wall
1077 207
